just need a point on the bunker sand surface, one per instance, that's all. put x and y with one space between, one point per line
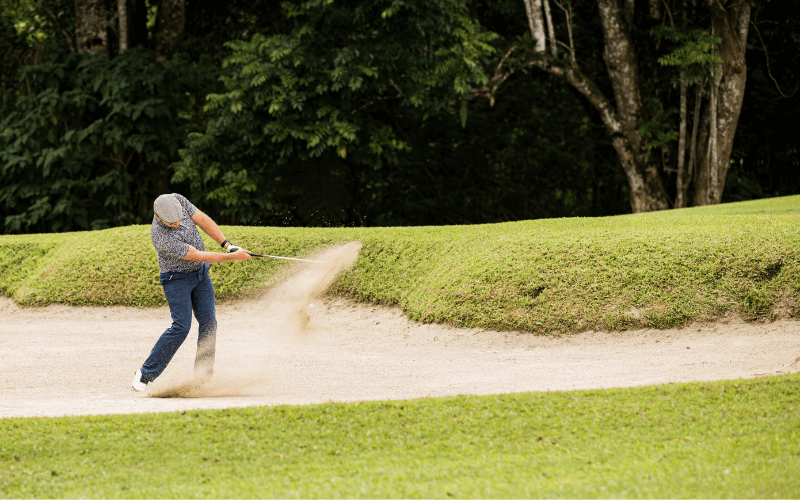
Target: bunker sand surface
293 347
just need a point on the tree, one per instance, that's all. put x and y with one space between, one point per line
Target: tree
131 24
86 125
696 64
320 98
106 32
86 147
629 120
91 27
364 112
731 24
765 158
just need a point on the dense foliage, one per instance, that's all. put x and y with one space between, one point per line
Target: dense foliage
311 115
88 142
362 115
342 113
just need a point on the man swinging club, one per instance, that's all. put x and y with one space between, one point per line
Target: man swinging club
184 265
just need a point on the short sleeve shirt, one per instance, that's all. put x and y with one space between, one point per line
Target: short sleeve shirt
172 244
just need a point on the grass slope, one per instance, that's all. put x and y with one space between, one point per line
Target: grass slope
733 439
555 275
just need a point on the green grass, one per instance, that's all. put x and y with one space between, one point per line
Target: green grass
556 275
732 439
736 439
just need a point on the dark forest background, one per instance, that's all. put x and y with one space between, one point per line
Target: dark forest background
337 113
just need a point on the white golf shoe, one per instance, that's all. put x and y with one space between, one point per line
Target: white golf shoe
137 384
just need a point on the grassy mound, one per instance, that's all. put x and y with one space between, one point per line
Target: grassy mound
734 439
556 275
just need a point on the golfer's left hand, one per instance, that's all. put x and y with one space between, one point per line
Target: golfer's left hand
241 255
233 248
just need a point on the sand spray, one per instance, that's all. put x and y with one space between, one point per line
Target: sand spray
279 316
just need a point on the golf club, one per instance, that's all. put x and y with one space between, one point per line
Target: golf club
286 258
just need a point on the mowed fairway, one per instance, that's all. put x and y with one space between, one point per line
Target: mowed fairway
718 440
734 270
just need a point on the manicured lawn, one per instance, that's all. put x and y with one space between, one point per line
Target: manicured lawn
736 439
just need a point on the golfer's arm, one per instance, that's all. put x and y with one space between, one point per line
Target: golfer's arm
212 257
210 227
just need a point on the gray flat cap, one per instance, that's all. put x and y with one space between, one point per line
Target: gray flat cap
168 208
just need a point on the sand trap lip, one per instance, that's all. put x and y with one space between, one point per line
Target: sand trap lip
62 360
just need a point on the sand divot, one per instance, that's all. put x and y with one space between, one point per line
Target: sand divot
285 307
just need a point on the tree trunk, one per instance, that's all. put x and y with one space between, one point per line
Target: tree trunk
647 190
680 200
622 121
690 174
170 22
535 23
550 29
730 23
124 25
91 26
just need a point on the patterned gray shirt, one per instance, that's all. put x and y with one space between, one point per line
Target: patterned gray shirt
172 244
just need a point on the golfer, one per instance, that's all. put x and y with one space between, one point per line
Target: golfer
184 265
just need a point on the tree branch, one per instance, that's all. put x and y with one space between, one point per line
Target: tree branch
500 76
563 45
769 71
571 75
669 13
582 84
400 92
568 13
42 5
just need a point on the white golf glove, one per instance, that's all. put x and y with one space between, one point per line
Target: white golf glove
233 248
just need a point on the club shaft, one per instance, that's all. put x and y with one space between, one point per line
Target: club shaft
286 258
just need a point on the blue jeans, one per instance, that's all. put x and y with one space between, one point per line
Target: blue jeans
186 292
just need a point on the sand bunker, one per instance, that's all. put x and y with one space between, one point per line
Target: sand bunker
291 347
